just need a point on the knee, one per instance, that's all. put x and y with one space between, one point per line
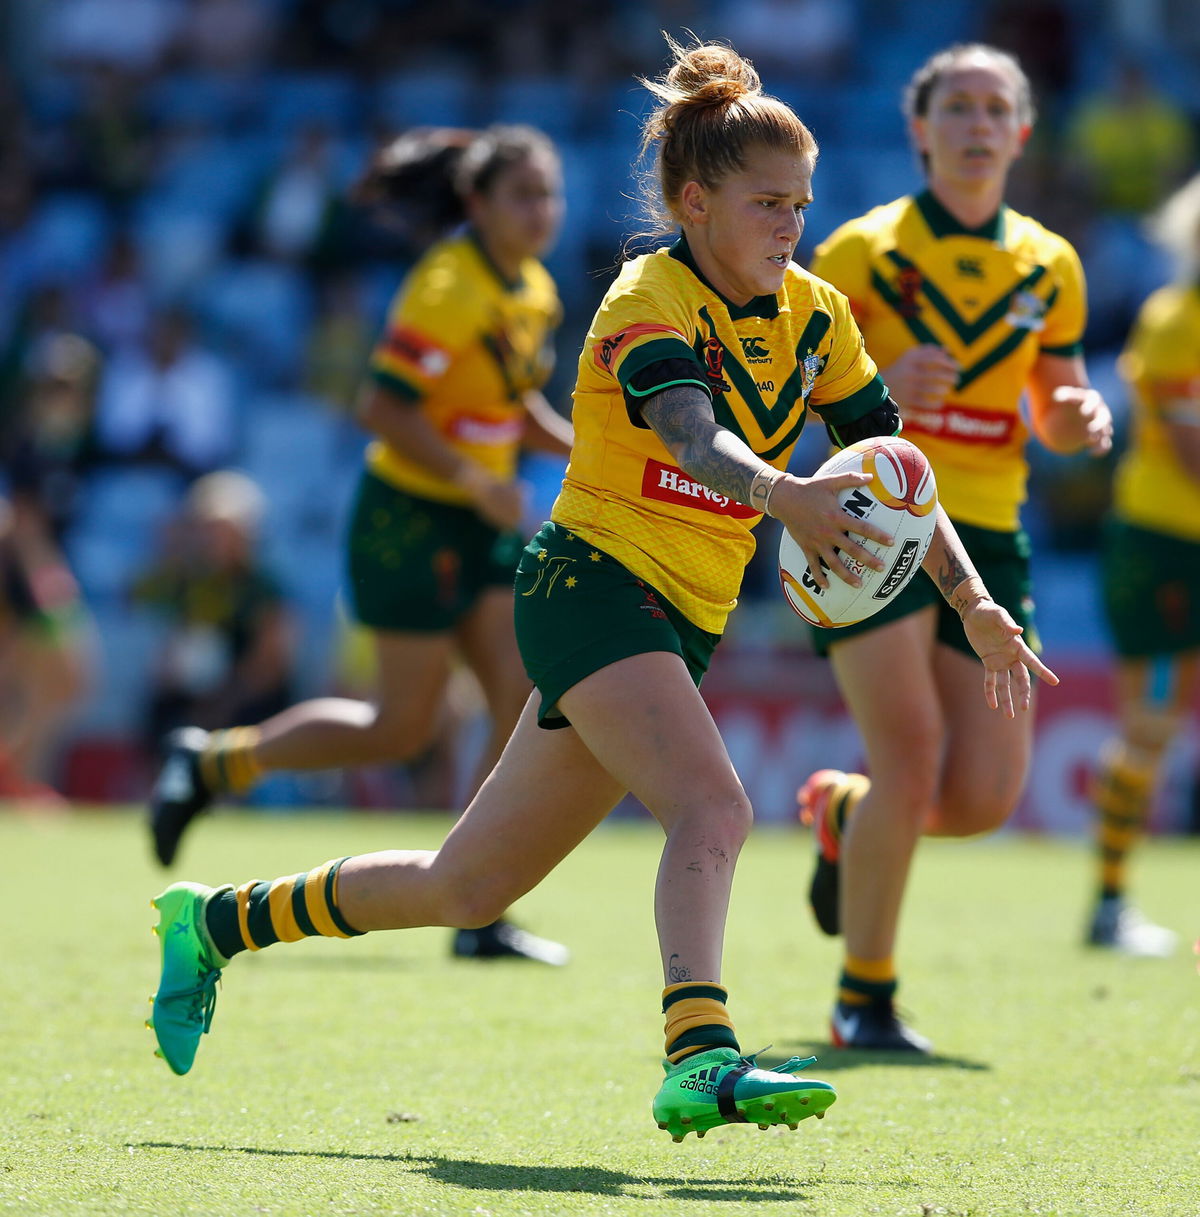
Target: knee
401 736
722 824
472 905
909 785
970 812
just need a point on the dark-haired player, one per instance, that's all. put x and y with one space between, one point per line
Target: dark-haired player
454 392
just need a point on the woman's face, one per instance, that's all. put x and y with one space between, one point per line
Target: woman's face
744 231
973 130
520 213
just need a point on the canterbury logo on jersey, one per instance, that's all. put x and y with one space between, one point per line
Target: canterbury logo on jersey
963 423
606 350
667 484
755 349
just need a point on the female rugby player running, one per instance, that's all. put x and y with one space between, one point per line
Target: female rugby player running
621 598
965 305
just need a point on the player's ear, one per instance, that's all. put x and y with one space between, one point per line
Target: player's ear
693 202
918 132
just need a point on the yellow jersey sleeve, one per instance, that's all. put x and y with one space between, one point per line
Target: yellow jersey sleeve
433 316
1161 365
843 261
1066 315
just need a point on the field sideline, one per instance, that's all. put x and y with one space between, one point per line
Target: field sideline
379 1076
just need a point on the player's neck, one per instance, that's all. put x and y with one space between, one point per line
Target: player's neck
507 261
972 206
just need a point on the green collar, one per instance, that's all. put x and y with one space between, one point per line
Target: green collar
943 224
758 306
509 285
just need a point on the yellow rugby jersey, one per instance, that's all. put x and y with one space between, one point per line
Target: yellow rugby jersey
464 345
763 365
995 298
1161 364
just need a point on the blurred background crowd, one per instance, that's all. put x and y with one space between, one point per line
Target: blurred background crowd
185 292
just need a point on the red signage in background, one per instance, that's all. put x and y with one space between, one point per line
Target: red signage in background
782 717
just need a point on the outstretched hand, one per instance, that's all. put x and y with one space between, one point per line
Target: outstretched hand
1007 660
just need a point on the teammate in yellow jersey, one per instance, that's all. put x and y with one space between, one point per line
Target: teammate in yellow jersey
454 393
621 598
1151 572
965 305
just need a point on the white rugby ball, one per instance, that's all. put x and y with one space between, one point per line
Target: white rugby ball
900 498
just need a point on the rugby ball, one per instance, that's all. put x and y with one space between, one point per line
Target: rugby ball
900 498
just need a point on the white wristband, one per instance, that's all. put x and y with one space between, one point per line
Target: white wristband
761 487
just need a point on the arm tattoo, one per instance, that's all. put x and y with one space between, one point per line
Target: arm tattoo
682 417
950 573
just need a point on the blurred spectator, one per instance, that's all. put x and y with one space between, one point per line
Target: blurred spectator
228 654
45 650
168 402
133 35
113 144
340 343
1039 34
115 306
227 35
809 40
50 445
298 197
44 316
1131 143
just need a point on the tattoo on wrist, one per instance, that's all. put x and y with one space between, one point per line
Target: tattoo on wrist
969 592
950 574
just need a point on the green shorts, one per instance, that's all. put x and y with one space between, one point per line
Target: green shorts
1151 589
1002 559
416 565
578 610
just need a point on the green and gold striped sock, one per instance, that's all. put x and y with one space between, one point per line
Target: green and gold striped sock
696 1019
864 981
1121 795
263 912
228 763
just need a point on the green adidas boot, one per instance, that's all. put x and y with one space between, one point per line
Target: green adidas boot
721 1087
187 989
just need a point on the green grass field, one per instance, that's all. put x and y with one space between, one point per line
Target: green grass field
380 1076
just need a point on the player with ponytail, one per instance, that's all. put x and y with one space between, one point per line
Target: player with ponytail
621 598
453 394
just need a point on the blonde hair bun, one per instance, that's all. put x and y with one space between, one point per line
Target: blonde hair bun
711 74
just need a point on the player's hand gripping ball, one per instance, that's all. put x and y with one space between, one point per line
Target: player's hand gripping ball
900 498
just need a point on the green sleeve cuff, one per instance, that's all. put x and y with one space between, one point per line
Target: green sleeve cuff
657 351
1069 351
394 384
870 397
